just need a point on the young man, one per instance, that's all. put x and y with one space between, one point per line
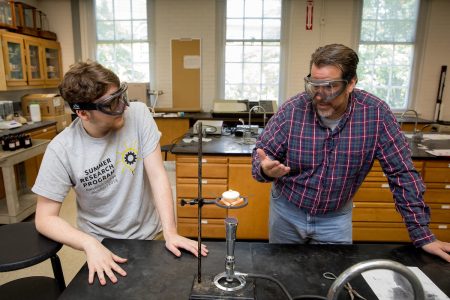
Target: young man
110 155
318 148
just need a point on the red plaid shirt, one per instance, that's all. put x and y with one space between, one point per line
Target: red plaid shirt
328 166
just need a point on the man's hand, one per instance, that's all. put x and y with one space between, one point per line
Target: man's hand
102 261
175 241
438 248
272 168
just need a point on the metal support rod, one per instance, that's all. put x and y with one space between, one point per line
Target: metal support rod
440 92
200 201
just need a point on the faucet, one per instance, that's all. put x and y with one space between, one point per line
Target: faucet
357 269
417 134
256 107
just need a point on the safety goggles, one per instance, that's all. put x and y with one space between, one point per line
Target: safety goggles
113 104
327 89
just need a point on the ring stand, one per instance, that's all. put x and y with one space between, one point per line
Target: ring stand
228 284
219 203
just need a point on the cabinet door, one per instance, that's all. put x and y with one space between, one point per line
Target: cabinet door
14 60
253 220
35 65
172 129
52 63
32 165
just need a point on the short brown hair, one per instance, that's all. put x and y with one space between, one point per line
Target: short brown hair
87 82
339 56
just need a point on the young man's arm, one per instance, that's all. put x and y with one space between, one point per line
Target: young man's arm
162 194
100 260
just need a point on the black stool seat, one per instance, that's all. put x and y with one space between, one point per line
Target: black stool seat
36 288
22 247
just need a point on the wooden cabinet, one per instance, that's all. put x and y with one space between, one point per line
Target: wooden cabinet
254 218
14 67
214 183
29 62
437 180
32 165
375 217
172 129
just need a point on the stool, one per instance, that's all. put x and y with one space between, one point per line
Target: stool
166 148
22 247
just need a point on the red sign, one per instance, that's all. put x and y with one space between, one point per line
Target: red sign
309 14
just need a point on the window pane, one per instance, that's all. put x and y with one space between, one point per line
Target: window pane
252 49
233 73
105 30
271 53
253 8
140 30
140 52
233 53
235 29
272 29
272 9
253 29
252 53
105 52
235 9
123 30
103 9
122 10
139 9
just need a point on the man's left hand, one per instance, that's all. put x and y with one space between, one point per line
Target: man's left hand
175 241
438 248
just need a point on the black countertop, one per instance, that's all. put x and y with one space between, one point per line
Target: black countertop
154 273
232 145
26 127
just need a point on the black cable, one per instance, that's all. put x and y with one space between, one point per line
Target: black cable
283 288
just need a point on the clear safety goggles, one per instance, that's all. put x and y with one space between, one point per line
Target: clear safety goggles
327 89
113 104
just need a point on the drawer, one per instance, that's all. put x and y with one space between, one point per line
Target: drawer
380 232
208 211
211 228
212 167
393 232
437 174
211 188
437 193
377 174
374 192
385 212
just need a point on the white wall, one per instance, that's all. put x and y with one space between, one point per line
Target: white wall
334 21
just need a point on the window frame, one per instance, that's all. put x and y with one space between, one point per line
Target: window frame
418 45
221 20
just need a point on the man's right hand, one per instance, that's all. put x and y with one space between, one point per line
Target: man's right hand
272 168
102 261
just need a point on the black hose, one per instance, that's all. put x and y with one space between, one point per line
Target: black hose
283 288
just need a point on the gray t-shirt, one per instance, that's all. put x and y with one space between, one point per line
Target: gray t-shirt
113 193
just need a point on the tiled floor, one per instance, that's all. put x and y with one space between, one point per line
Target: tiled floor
71 260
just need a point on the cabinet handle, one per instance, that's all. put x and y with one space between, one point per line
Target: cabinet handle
204 221
447 186
44 130
441 226
204 181
385 185
204 160
445 206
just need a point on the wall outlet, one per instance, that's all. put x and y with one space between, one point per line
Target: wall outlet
156 92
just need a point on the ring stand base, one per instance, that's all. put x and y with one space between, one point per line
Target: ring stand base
208 290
